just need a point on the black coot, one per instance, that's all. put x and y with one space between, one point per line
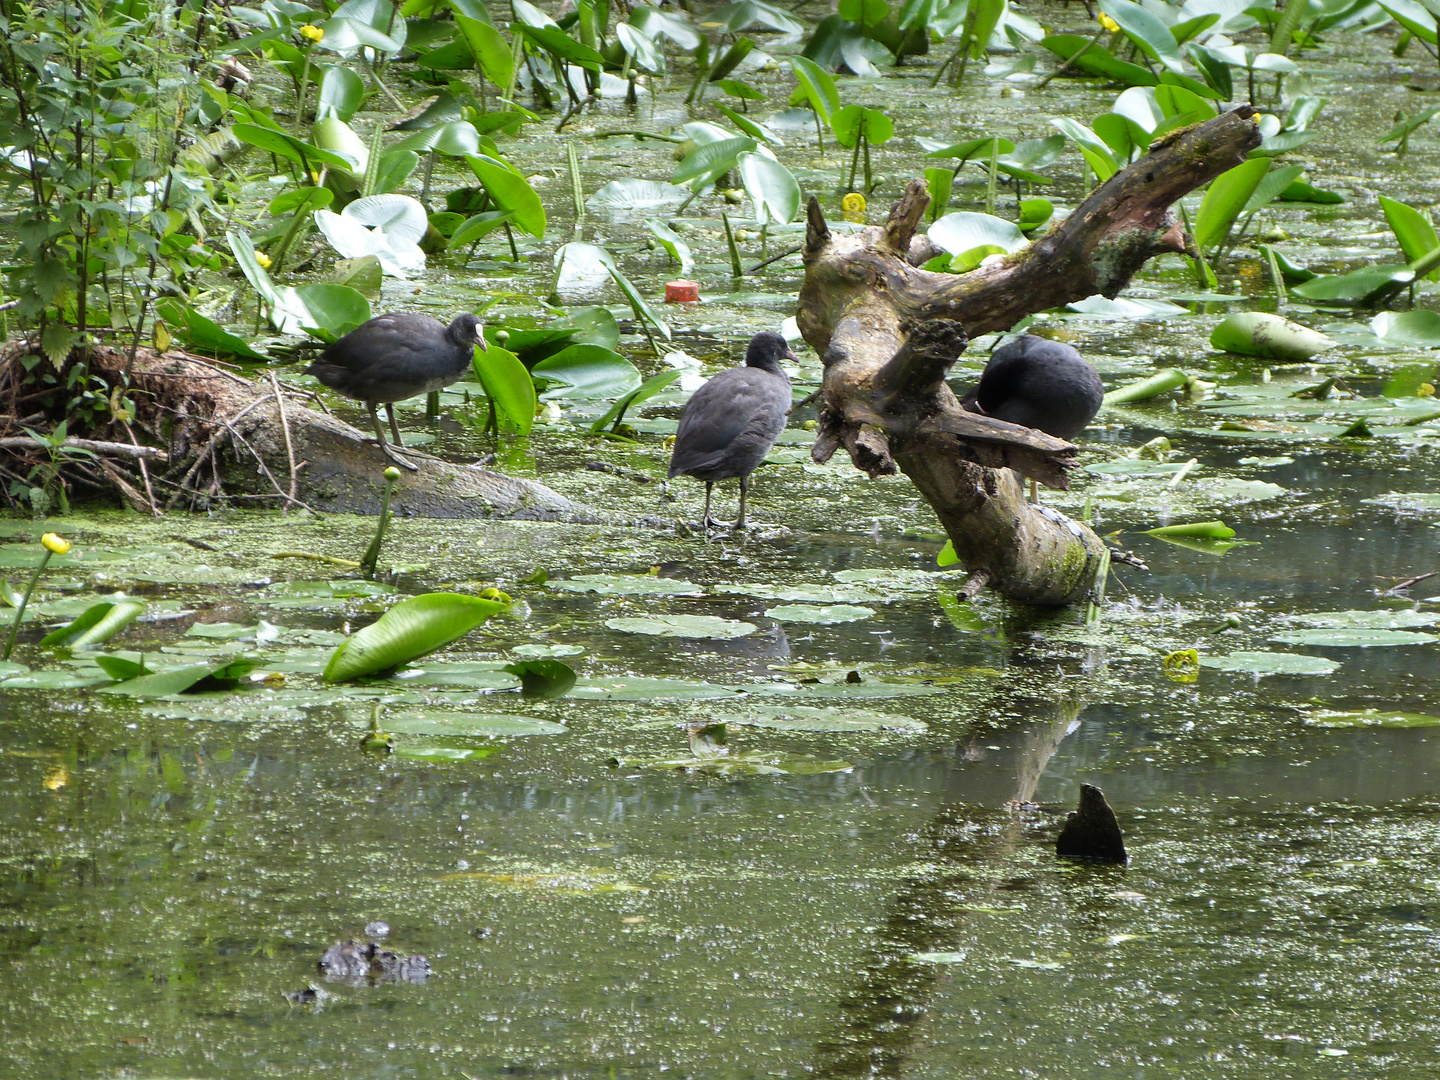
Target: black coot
395 357
1040 384
731 422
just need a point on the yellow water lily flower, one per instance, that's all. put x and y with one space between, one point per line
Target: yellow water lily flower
55 543
263 259
854 203
314 33
1108 23
1426 390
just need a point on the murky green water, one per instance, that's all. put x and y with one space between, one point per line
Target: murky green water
167 881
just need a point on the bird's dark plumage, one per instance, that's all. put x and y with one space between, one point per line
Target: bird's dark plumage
1040 384
731 422
395 357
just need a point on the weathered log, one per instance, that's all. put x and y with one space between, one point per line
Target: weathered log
226 436
888 332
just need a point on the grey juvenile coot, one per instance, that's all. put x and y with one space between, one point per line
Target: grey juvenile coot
1039 383
731 422
395 357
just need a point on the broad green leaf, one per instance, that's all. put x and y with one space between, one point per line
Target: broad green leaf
1270 188
964 151
683 626
1302 192
1413 228
864 12
670 240
455 138
342 92
645 54
1369 285
773 189
587 372
626 585
1204 530
210 675
334 136
409 630
511 192
1257 333
705 163
1101 161
1146 30
1224 199
1419 327
759 132
1268 663
301 200
1415 17
483 725
200 333
476 228
854 121
98 624
1097 60
491 50
394 169
817 86
965 233
330 311
557 43
633 194
508 385
1034 214
289 147
646 390
543 678
1353 639
821 614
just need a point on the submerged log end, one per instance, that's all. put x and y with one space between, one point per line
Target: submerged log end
817 232
1092 832
1120 255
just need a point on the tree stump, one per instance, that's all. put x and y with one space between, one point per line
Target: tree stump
888 332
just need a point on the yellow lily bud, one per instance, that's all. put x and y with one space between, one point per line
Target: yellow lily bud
854 203
392 474
1426 390
314 33
55 543
263 259
1108 23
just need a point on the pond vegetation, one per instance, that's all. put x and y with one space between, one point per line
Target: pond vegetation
730 804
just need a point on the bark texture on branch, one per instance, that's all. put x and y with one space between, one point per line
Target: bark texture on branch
221 436
889 331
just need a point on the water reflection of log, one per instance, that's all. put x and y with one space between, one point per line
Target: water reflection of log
880 1018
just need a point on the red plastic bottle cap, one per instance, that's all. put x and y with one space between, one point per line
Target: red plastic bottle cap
682 292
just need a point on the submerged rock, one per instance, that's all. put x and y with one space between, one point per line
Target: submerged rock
1091 832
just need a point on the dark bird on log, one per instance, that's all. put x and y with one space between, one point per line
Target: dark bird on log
1040 384
396 357
731 422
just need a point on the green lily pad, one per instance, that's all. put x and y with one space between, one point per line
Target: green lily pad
1353 639
871 688
245 708
228 631
1417 501
890 580
1267 462
442 754
809 718
819 615
53 680
817 594
1269 663
638 688
1401 619
480 676
938 957
547 652
9 668
1369 718
683 626
473 725
745 763
626 585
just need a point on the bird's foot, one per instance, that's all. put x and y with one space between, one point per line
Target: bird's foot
395 454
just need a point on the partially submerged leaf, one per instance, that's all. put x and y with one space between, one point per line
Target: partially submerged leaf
543 678
683 626
823 615
1268 663
409 630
